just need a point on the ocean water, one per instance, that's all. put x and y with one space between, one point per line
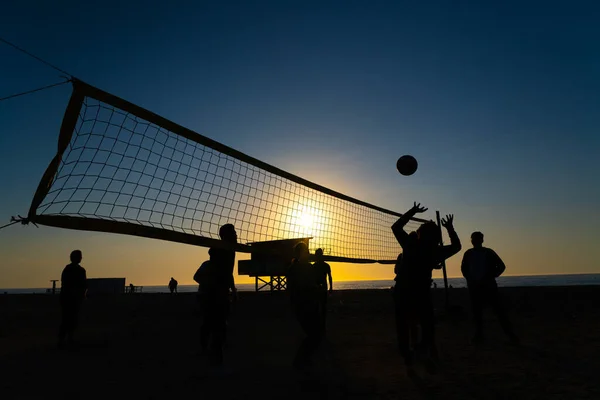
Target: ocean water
503 281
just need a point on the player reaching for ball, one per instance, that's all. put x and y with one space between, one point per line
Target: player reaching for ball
421 255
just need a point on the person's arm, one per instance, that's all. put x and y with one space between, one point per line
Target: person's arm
198 275
330 278
398 227
233 288
464 265
499 266
290 277
84 284
398 261
454 246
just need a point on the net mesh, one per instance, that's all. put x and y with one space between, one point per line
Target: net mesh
121 167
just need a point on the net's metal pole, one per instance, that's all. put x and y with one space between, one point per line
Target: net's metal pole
437 215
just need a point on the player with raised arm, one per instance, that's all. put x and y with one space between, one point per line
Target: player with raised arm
421 255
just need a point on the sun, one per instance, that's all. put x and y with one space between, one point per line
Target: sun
306 219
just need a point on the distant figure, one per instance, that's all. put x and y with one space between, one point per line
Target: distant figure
323 272
480 267
72 293
131 288
419 258
173 285
434 285
215 279
305 295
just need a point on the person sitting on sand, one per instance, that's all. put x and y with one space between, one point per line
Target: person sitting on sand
323 273
173 285
420 258
481 266
304 296
215 278
72 293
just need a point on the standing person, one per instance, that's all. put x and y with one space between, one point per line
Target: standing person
304 296
407 322
420 257
216 278
323 272
173 285
480 267
72 293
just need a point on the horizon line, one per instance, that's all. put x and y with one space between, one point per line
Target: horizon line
345 280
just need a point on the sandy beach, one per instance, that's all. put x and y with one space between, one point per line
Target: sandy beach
144 347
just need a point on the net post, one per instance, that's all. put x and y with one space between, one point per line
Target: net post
446 293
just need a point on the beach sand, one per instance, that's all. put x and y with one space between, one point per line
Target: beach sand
144 347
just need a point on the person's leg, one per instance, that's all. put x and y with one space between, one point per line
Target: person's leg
402 326
219 328
500 311
428 346
301 357
207 323
227 314
477 300
427 321
414 332
323 309
64 321
309 317
73 321
316 332
204 334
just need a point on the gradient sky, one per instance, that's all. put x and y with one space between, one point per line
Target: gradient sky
500 104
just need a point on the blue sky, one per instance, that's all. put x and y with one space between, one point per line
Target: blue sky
499 103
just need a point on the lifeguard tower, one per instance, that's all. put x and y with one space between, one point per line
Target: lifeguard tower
268 264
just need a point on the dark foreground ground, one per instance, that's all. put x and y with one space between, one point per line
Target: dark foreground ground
143 347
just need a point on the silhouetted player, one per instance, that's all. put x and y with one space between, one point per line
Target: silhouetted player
215 279
304 296
406 319
173 285
72 293
323 272
480 267
420 257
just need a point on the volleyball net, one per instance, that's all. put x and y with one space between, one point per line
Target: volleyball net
122 169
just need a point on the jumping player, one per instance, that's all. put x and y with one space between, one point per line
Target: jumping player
420 257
